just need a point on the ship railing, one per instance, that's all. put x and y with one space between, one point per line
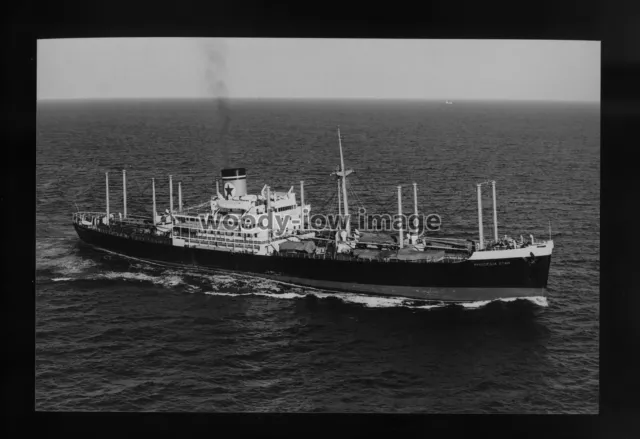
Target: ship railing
90 217
224 239
223 244
446 259
491 245
129 221
303 255
116 217
135 218
221 236
454 258
226 242
81 214
147 237
221 231
87 216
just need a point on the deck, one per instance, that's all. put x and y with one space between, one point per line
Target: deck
141 229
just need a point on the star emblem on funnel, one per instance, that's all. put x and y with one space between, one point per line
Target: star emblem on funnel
229 190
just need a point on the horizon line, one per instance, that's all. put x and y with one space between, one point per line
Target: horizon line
310 98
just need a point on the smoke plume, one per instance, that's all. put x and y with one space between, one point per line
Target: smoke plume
215 75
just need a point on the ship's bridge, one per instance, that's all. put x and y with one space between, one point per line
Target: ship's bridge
280 202
283 201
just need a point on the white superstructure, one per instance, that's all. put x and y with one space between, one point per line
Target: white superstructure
244 223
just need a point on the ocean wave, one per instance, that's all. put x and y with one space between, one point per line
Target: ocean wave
65 265
61 279
536 300
167 280
372 301
270 289
218 281
255 286
367 301
287 296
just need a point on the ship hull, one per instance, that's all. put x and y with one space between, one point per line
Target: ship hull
470 280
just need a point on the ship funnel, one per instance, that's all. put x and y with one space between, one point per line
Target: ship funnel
234 182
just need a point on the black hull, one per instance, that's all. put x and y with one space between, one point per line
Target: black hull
452 282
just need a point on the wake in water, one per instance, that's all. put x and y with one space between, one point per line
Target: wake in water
68 266
58 258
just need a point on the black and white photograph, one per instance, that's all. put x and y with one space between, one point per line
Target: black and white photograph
317 225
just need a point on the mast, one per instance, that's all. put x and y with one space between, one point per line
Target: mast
480 215
124 191
339 198
415 211
268 212
170 196
153 191
495 212
107 182
302 204
344 184
179 196
415 199
400 216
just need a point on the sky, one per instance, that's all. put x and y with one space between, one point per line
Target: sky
106 68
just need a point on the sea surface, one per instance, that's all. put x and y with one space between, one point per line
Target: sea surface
118 334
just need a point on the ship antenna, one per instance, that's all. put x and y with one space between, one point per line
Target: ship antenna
549 230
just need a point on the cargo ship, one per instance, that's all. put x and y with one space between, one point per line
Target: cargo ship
273 235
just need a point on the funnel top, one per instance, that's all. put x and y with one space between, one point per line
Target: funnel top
233 173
